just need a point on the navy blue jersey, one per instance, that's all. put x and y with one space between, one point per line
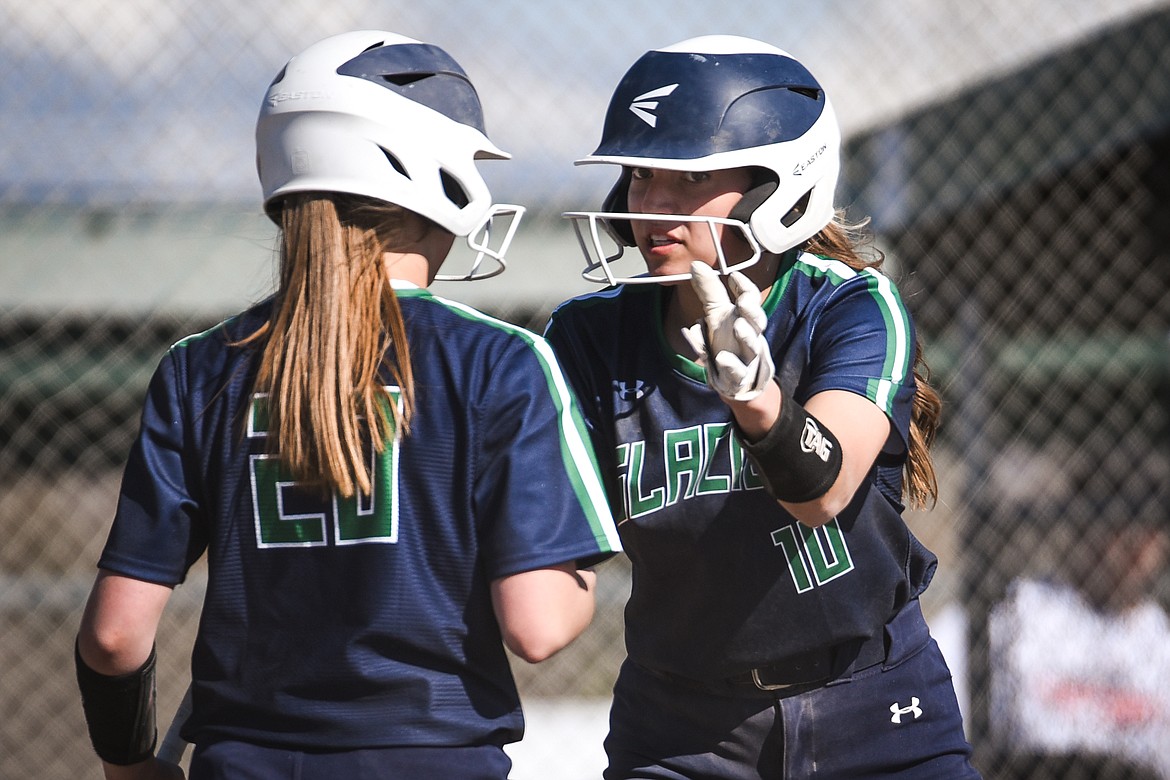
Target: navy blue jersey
724 579
365 622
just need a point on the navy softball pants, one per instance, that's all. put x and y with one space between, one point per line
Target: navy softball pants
242 761
898 718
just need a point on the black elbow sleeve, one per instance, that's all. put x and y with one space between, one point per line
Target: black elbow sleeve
798 458
119 711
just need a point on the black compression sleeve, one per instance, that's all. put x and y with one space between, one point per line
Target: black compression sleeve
798 458
119 711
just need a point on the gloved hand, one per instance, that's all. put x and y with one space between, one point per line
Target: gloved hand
729 337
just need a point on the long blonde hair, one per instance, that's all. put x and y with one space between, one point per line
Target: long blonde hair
335 325
852 245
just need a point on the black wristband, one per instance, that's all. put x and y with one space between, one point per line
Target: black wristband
798 458
119 711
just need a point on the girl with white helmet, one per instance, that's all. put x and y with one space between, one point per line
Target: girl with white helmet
390 487
755 396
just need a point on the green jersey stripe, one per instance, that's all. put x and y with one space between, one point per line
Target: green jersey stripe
579 458
898 355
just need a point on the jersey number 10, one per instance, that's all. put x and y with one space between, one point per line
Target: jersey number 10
815 556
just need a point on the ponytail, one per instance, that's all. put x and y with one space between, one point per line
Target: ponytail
335 327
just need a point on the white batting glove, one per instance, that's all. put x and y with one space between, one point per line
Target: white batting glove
731 332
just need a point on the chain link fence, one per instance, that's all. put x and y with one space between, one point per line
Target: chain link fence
1015 161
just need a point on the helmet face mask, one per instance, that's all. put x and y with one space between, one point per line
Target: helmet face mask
720 102
384 116
602 253
489 241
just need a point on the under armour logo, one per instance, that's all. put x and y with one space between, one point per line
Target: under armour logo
913 709
630 391
644 104
812 440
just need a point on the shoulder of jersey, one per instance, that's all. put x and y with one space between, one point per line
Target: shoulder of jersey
236 327
607 297
474 317
817 265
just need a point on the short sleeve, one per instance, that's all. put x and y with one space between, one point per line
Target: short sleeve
537 479
863 342
155 535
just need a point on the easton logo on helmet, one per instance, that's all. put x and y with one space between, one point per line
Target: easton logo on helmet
643 105
804 166
276 98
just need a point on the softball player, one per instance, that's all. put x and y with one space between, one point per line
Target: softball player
753 398
386 483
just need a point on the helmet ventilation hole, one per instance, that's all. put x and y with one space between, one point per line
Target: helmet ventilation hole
394 161
453 189
808 92
404 79
797 211
279 77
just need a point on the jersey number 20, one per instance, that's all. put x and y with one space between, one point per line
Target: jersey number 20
288 515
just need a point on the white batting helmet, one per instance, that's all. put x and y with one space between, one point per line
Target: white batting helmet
718 102
380 115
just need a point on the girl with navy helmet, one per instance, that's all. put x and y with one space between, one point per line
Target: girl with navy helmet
757 400
390 487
